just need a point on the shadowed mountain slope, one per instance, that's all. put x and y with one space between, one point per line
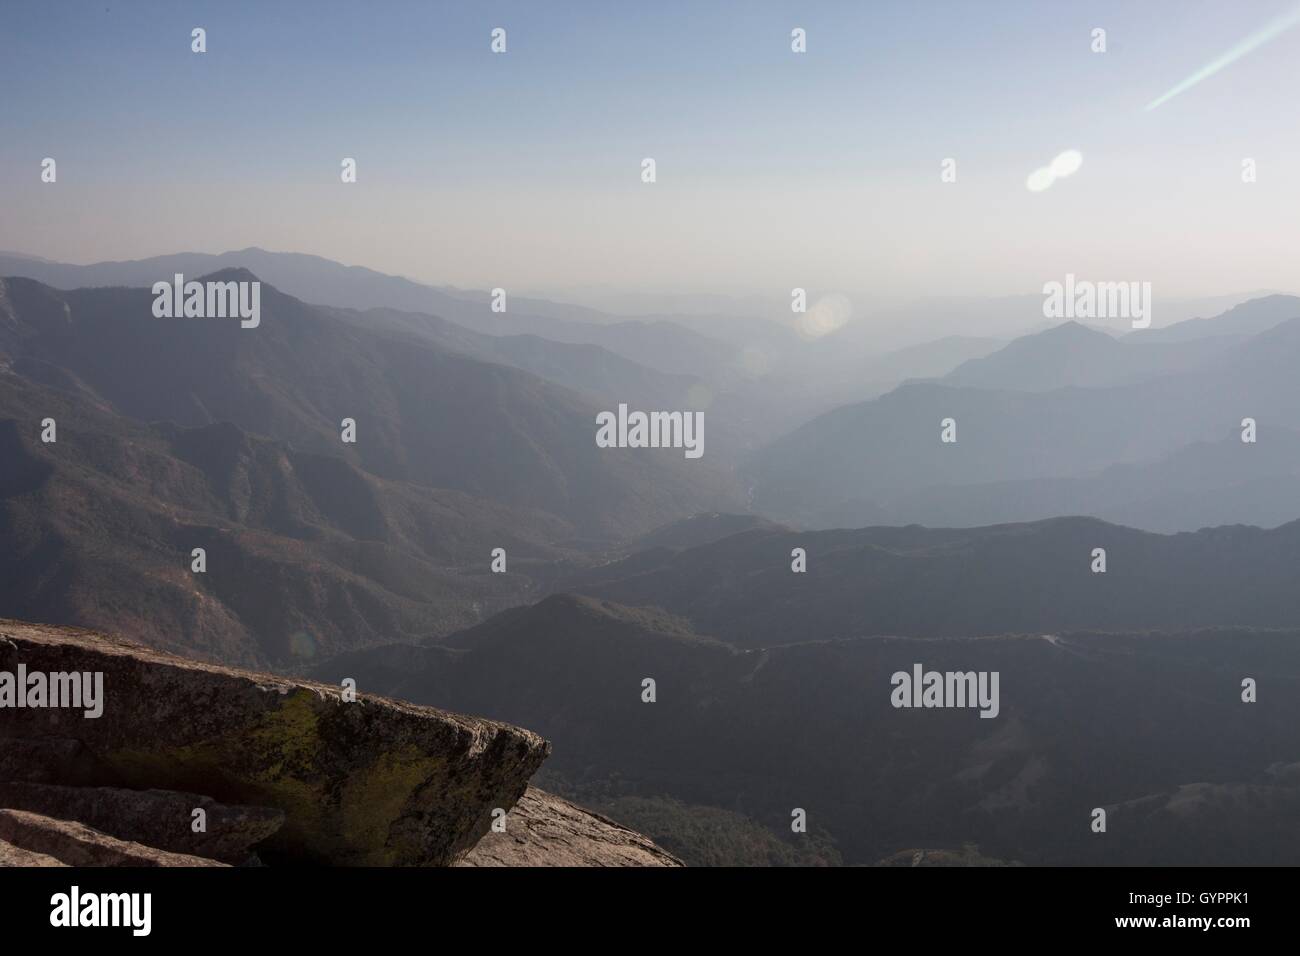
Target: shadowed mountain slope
1150 726
926 582
305 553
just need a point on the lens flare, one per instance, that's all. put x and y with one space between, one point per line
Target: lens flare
1270 32
829 314
1065 164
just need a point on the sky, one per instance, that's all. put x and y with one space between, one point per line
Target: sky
774 169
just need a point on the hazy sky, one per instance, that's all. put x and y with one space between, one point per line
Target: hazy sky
774 169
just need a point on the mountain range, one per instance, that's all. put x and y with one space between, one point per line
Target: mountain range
1115 403
186 433
424 414
128 441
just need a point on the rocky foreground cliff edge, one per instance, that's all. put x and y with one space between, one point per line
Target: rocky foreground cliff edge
112 753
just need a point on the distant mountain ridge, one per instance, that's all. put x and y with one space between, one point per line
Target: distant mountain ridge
943 582
1119 404
1247 318
652 356
1073 354
424 414
321 281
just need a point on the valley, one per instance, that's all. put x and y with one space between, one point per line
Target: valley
777 684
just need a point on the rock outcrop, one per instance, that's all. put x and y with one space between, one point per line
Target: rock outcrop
169 762
545 830
363 782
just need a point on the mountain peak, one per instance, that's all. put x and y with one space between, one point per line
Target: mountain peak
1055 357
231 274
1075 329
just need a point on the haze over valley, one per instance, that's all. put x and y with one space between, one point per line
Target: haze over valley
375 560
635 435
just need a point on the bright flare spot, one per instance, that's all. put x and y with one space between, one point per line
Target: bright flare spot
1065 164
1040 179
830 313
